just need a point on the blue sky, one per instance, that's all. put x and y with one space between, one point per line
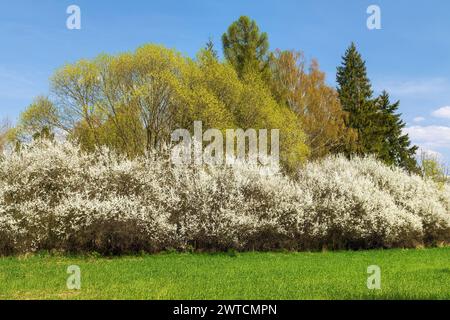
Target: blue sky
409 56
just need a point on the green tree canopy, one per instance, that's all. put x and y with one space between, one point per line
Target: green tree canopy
304 90
133 101
246 48
39 120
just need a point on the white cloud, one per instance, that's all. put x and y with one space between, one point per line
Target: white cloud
443 112
418 119
430 136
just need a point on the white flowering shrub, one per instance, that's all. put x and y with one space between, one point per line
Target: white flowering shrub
54 196
363 202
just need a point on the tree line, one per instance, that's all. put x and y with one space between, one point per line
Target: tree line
131 102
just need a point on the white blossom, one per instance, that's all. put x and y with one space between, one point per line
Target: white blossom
55 196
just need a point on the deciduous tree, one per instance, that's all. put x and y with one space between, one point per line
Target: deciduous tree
132 102
5 132
315 103
246 48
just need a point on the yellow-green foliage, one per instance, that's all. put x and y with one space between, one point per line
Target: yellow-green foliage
133 101
433 170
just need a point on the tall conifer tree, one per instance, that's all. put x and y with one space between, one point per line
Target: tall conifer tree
379 126
246 48
397 145
355 93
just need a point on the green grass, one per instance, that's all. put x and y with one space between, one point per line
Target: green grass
405 274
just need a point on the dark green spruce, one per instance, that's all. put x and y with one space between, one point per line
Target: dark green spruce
397 145
379 127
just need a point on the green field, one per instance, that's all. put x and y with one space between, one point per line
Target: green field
405 274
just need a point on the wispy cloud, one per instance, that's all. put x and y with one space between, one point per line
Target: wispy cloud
418 119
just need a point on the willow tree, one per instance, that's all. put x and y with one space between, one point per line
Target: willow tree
132 102
126 101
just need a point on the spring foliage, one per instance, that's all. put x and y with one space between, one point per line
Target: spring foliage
132 102
304 90
56 196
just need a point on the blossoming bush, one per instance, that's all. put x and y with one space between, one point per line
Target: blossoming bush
54 196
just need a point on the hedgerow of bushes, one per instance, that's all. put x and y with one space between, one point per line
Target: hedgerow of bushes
53 196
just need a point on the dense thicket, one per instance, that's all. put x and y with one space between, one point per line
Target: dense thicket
55 196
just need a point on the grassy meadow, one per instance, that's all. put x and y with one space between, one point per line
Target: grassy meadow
405 274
